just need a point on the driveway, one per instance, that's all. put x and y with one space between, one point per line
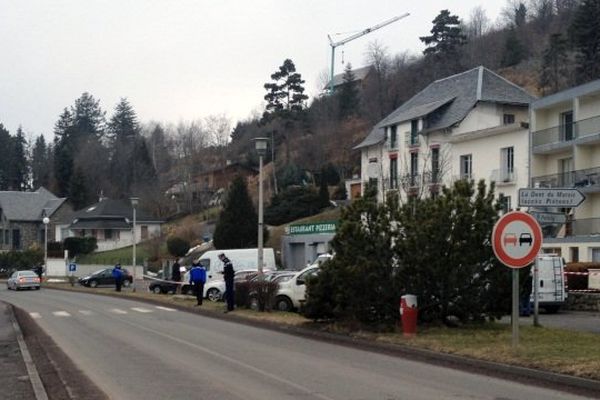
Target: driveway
583 321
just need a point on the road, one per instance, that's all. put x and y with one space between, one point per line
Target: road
583 321
134 350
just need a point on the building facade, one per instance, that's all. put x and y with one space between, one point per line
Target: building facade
565 153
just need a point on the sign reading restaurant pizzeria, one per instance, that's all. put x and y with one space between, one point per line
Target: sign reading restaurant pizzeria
313 228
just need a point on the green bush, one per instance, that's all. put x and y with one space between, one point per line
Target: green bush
26 259
80 245
177 247
293 203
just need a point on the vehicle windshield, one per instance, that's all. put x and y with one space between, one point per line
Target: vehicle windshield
27 273
98 272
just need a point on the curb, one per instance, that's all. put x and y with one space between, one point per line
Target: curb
535 377
36 382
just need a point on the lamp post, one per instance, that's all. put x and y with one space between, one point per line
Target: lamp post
261 148
46 221
134 203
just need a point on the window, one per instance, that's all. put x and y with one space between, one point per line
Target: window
508 119
566 126
574 254
505 203
466 168
435 165
393 173
108 234
414 132
414 167
393 137
144 232
507 167
565 167
16 239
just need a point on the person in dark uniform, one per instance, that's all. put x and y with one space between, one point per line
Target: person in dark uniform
228 273
197 281
117 273
176 274
525 296
39 270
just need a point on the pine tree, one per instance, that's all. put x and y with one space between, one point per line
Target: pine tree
285 95
555 66
446 36
348 94
5 156
40 163
323 191
585 34
514 51
238 223
123 130
18 167
79 192
520 15
88 117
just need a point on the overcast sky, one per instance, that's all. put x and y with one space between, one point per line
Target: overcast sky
184 60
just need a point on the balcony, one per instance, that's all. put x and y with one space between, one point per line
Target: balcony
585 227
504 177
586 180
560 137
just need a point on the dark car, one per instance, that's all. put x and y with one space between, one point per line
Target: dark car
525 238
162 287
104 277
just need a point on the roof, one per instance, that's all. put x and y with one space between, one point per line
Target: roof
592 87
448 101
359 75
109 209
115 223
29 206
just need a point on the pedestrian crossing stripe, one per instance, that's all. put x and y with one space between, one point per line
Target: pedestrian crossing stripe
118 311
140 309
85 312
61 313
35 315
165 308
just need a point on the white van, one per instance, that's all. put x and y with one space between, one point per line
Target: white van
246 259
552 288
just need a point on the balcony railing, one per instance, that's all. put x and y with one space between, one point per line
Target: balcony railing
503 176
588 179
585 227
568 132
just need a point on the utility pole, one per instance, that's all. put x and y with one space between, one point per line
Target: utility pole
356 36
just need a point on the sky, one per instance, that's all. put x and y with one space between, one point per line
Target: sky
181 60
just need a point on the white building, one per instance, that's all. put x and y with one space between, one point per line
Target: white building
471 125
565 152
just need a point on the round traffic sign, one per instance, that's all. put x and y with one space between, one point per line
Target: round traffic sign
516 239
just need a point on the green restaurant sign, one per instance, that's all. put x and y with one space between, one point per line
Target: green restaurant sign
314 228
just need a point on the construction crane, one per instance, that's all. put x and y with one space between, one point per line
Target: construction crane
356 36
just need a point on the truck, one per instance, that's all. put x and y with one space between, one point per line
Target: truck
552 287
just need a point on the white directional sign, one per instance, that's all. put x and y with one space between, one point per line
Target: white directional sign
562 198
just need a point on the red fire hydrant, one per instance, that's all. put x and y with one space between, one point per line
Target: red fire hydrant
409 313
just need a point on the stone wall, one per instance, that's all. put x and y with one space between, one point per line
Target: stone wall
583 301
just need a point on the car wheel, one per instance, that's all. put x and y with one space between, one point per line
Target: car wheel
283 304
126 283
254 303
213 294
93 284
157 290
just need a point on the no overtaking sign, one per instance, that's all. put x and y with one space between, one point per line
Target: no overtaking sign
516 239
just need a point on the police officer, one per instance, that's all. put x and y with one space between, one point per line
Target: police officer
197 280
228 273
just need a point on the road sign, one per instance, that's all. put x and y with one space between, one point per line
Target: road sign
563 198
72 267
548 217
516 239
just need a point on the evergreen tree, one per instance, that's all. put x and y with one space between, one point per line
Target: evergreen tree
555 66
88 117
585 34
6 144
285 95
323 192
238 223
514 51
123 130
520 15
79 192
40 163
64 149
446 36
18 167
348 94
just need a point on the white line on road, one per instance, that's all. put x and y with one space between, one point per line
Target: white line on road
85 312
165 308
35 315
118 311
141 309
61 313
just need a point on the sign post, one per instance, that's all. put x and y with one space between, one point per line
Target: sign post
516 240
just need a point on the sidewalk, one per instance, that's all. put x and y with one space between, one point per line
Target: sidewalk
14 380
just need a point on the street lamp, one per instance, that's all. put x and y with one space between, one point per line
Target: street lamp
134 203
46 221
261 148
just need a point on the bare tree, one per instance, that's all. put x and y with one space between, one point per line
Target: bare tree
478 23
218 129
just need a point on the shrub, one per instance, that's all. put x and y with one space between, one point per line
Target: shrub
264 293
242 294
177 247
291 204
80 245
27 259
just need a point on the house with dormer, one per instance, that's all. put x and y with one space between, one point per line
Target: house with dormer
472 125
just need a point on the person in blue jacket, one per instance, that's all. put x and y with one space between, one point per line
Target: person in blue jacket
197 280
117 273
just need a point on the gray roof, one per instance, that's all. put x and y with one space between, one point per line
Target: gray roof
447 101
114 223
29 206
117 214
567 95
359 75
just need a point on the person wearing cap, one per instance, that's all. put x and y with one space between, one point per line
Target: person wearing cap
117 273
228 273
197 280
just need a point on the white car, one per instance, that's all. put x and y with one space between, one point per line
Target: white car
292 293
23 280
215 290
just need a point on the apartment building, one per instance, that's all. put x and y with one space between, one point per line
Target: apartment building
565 153
472 125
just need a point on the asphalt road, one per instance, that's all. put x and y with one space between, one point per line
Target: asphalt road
134 350
583 321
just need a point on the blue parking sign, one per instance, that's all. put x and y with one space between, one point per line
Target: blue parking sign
72 267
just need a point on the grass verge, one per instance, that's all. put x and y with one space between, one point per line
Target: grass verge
550 349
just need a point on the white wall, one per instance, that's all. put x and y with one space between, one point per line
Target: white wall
58 268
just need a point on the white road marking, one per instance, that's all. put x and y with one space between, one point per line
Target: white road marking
165 308
61 313
142 310
85 312
118 311
35 315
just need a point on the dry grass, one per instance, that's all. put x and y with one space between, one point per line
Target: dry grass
557 350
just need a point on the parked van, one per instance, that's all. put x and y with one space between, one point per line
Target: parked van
552 289
242 259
